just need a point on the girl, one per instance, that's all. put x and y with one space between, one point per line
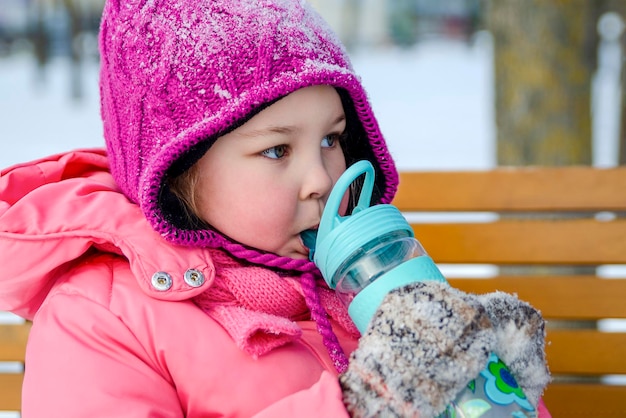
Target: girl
166 277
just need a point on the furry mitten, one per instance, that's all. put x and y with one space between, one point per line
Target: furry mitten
424 344
520 334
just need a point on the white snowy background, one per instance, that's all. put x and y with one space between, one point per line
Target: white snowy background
434 103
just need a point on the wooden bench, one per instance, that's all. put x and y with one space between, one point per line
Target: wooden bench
567 217
569 226
12 350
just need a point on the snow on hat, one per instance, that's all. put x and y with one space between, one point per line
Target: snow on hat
178 73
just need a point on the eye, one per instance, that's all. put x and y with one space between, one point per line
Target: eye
330 141
276 152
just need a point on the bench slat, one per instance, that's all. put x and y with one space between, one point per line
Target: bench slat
519 189
13 338
586 400
570 351
10 391
559 297
574 241
586 352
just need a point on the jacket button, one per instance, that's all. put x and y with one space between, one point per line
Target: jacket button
194 278
161 281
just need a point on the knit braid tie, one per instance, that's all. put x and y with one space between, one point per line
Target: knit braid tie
311 295
269 260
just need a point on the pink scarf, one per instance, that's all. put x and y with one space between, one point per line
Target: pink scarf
258 306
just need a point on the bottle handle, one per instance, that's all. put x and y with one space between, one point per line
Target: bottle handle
330 217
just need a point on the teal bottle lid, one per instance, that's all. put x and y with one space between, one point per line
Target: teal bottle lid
338 236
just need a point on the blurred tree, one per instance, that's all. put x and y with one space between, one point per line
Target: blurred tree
72 8
611 25
545 54
39 36
619 7
403 24
351 15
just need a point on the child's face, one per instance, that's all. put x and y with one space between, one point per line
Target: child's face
268 180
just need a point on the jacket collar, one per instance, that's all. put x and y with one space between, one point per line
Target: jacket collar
54 210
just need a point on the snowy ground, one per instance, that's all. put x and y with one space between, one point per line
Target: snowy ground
434 104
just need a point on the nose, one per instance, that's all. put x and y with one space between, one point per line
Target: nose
317 181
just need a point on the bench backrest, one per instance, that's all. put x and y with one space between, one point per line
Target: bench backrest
538 217
551 235
12 351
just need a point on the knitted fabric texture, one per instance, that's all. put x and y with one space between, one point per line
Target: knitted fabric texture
521 341
428 340
258 307
178 72
424 344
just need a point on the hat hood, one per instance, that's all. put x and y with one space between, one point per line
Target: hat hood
175 73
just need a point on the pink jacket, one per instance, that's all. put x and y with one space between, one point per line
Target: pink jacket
78 258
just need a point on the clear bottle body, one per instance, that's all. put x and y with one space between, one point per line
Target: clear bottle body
374 259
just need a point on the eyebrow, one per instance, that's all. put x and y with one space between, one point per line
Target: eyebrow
285 130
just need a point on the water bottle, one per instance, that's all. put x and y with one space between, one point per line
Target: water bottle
372 251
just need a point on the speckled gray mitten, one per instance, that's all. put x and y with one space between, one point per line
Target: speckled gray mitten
424 344
520 333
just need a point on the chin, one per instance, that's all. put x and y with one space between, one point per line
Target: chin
296 256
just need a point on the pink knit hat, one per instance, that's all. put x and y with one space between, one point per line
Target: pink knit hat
176 74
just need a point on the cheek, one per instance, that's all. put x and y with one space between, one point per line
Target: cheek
265 218
266 207
249 210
